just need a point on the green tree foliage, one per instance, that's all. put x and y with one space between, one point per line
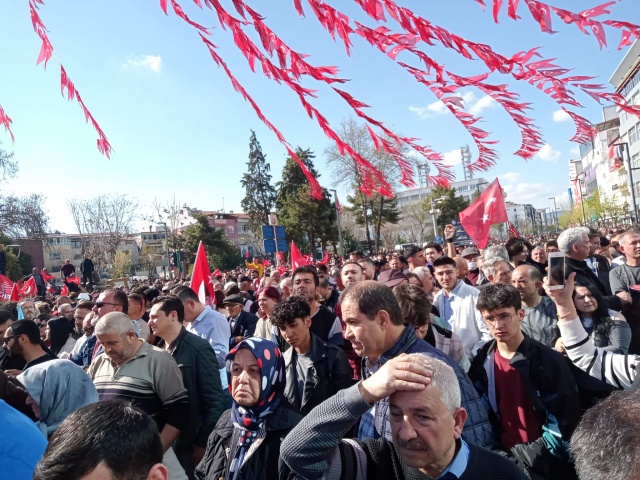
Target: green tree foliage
260 195
120 264
221 253
17 267
599 207
447 203
304 219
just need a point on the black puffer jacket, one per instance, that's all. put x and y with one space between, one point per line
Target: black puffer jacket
264 463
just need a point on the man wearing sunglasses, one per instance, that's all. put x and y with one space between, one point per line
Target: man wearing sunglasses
22 339
530 387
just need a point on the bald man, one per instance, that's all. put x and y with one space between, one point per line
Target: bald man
540 312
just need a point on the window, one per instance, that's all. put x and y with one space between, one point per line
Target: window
635 161
230 229
54 256
633 135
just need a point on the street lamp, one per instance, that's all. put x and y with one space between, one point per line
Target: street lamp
555 210
335 202
433 213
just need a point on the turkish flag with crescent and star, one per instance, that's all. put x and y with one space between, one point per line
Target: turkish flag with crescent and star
486 210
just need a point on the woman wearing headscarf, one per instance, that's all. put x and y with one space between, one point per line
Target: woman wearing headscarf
246 441
267 298
60 334
56 389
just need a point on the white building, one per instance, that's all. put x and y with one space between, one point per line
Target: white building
626 80
464 189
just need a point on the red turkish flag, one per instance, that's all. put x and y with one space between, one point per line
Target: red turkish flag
64 291
46 277
75 280
201 277
297 259
29 288
485 211
338 206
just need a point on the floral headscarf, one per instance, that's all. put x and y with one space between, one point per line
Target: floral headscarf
250 420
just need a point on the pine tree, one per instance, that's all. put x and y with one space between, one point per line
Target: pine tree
260 195
304 219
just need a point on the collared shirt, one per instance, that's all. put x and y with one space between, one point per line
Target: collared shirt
447 312
458 465
213 327
592 263
374 424
150 379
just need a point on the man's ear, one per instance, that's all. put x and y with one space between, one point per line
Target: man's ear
158 472
383 318
459 417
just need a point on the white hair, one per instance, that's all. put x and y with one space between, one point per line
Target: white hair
570 237
285 282
421 272
489 265
114 322
443 376
496 251
65 305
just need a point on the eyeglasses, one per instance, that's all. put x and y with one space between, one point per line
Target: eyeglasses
8 339
102 304
503 318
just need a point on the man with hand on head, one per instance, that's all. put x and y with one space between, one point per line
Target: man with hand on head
426 422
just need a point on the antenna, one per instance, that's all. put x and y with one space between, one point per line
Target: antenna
465 152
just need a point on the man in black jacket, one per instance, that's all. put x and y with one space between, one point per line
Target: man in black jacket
199 367
426 422
574 243
242 323
533 395
315 369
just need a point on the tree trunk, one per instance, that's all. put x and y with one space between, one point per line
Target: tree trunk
379 222
365 216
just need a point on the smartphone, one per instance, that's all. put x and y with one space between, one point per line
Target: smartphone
556 270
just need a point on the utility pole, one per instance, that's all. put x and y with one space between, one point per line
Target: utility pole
335 202
555 209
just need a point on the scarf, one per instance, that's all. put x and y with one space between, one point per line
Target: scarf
59 387
250 421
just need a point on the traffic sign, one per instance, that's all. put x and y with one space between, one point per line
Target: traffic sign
270 245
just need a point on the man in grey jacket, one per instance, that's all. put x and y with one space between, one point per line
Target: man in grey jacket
426 419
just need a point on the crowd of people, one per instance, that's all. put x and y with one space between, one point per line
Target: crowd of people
442 362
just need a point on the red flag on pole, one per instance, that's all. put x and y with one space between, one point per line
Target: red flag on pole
201 277
15 296
64 291
6 288
338 205
486 210
297 259
75 280
513 231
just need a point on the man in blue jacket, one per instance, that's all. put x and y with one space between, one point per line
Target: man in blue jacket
377 331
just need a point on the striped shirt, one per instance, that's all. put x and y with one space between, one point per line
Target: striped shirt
616 369
151 380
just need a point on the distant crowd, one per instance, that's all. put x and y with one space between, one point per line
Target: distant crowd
443 362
